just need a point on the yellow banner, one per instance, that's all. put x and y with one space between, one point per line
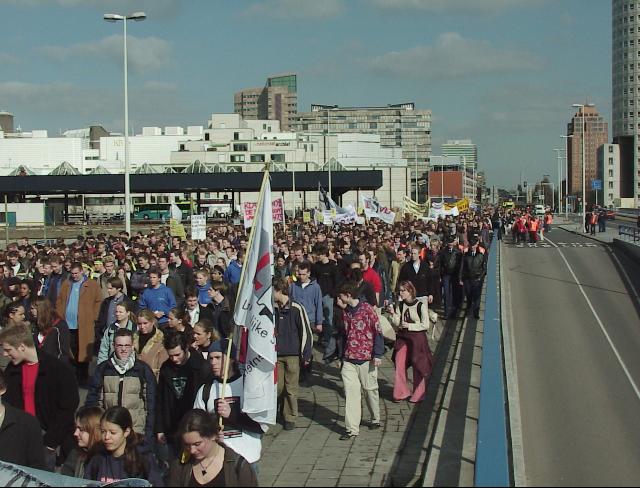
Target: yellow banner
177 229
306 217
413 208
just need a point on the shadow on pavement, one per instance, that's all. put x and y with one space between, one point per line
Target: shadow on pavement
407 462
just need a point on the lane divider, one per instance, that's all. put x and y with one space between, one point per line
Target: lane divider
602 328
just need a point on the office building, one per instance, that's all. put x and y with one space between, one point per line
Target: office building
399 126
609 174
588 123
465 149
450 179
277 100
625 74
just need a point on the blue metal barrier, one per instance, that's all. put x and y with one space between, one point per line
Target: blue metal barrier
492 466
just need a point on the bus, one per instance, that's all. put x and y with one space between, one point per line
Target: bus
161 211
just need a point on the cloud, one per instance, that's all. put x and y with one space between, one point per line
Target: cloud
155 8
468 7
298 9
61 106
453 56
144 54
8 59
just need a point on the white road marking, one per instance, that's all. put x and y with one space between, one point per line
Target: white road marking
604 331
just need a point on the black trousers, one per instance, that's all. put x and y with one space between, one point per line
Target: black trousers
473 292
82 369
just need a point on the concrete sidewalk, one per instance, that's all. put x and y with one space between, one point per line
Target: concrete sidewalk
606 237
394 455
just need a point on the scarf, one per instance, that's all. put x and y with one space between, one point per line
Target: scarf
122 366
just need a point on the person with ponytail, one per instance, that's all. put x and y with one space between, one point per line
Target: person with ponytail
121 454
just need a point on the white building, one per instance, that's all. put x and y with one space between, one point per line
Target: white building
609 174
249 145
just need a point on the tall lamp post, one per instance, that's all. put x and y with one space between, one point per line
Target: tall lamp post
559 158
584 135
566 172
138 17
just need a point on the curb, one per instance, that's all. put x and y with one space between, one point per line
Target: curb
588 236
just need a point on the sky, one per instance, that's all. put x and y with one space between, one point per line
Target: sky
503 73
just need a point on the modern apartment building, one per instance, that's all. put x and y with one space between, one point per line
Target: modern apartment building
625 74
609 173
465 149
277 100
588 123
399 126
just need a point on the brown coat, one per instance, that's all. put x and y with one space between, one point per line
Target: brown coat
237 471
88 308
154 353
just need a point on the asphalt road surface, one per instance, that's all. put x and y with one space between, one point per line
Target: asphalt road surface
577 362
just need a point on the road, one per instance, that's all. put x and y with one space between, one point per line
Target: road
577 366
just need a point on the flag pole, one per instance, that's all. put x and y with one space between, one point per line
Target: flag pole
225 375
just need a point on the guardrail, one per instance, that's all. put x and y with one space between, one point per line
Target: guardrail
492 466
629 233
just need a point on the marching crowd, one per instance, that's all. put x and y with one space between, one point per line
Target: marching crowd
142 323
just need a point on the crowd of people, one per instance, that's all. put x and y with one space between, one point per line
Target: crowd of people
142 323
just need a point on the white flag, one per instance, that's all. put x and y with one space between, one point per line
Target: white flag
176 213
254 312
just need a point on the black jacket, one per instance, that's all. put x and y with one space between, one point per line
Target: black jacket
186 275
57 342
174 282
56 398
419 279
220 316
177 388
21 439
294 336
327 277
55 283
450 261
473 267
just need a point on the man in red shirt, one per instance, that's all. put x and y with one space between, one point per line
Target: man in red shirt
42 386
370 275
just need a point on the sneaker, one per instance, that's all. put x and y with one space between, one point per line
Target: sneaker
289 425
347 436
374 426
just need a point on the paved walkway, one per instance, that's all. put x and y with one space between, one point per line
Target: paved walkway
313 455
604 237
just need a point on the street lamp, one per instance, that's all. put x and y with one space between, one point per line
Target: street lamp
566 170
138 17
559 158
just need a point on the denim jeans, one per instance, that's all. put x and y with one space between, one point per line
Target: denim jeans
327 327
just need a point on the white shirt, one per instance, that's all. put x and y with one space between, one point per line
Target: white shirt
194 315
163 278
247 444
416 266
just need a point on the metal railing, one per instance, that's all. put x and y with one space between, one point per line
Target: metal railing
492 449
629 233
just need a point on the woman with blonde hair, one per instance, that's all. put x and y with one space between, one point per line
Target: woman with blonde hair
204 333
411 348
148 341
88 438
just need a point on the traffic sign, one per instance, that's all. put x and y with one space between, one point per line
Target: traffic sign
596 184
